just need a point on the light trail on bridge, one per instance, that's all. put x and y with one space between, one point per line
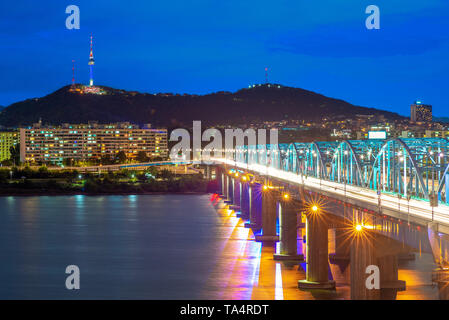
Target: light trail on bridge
417 208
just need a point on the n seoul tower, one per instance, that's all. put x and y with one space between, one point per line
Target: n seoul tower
91 62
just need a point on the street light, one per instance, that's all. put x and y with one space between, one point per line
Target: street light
408 207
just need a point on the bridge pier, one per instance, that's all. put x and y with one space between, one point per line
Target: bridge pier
245 200
339 255
389 283
362 256
269 210
441 278
371 249
237 187
230 189
225 191
288 236
255 207
208 172
317 273
219 177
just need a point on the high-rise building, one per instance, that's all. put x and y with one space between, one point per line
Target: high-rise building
90 142
420 112
7 140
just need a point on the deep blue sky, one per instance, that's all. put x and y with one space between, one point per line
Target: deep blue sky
200 46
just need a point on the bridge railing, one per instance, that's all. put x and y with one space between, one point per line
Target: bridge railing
408 168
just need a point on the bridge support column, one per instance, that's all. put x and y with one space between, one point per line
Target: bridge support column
362 256
371 249
269 211
237 187
389 283
317 273
219 177
255 207
441 278
245 200
230 189
225 186
339 255
208 172
288 236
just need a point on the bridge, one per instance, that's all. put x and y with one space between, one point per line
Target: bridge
187 166
358 203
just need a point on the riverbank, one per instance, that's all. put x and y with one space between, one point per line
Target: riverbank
28 182
92 188
42 193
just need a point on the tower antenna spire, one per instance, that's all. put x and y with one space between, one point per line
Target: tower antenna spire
266 75
91 61
73 74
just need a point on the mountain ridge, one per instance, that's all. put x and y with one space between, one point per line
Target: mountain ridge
268 102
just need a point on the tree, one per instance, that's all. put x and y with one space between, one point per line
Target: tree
157 158
153 170
7 163
106 159
43 171
142 157
166 174
4 174
15 154
121 157
68 162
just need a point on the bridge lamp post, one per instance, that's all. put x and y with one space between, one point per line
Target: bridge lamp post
344 179
433 202
408 207
379 200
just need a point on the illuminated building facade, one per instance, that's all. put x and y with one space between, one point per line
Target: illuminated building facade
7 140
90 142
420 112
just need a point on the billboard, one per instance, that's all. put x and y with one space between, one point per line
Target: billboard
377 135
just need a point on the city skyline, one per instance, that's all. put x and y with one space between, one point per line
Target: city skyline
160 50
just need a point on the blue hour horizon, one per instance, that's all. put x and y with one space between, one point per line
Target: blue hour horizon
206 47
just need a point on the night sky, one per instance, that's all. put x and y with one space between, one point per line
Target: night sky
202 46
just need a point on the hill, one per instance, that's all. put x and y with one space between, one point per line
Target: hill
260 103
441 119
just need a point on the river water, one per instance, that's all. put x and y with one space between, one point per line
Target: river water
148 247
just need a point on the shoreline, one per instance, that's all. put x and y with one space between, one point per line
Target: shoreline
55 194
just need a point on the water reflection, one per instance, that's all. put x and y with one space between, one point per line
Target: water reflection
246 270
153 247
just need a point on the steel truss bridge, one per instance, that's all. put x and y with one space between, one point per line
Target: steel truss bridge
410 175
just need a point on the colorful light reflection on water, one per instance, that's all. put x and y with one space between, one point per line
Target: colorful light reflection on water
247 270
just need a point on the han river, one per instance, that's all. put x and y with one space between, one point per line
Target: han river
150 247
